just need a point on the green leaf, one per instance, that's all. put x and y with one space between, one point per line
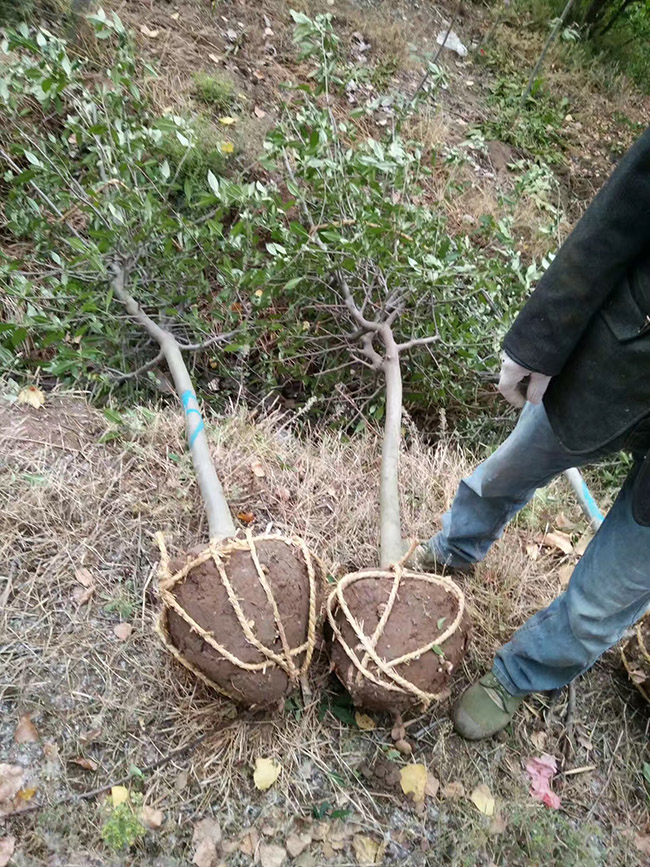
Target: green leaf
214 183
33 159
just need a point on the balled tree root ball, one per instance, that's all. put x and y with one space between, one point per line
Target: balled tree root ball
636 657
415 630
243 616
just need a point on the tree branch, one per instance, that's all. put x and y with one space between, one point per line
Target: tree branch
220 521
417 341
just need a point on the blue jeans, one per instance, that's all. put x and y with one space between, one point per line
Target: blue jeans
609 588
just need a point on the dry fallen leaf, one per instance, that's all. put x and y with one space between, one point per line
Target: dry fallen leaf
246 517
483 799
82 595
123 630
175 16
565 573
249 842
25 730
538 740
90 736
297 843
151 818
272 855
119 795
84 577
11 780
259 112
404 747
432 786
266 773
533 551
367 851
497 825
227 121
32 396
148 32
559 540
642 844
7 849
364 722
214 58
453 790
320 830
283 494
257 469
583 542
85 763
206 838
413 780
259 75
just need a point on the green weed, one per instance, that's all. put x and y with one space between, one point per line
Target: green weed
215 91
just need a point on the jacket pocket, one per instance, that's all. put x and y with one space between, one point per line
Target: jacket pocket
625 319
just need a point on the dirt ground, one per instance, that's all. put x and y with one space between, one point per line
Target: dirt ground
107 705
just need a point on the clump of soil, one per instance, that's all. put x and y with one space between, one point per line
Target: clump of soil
204 597
421 612
636 658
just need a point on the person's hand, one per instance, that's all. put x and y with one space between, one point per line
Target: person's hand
518 384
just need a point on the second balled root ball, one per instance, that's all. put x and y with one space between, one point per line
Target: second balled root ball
397 637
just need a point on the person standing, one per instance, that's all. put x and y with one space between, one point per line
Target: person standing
577 359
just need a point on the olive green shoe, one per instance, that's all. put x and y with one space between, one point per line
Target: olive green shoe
484 709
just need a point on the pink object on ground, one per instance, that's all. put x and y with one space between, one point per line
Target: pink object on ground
541 771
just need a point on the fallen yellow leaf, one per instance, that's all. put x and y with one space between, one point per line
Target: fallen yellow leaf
367 851
266 773
119 795
32 396
227 147
413 780
364 722
453 790
483 799
227 121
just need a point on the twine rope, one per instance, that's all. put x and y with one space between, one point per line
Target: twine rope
218 553
392 680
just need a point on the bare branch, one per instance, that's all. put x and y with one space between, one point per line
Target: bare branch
134 374
363 323
417 341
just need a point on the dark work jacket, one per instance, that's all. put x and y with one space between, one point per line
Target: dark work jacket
587 324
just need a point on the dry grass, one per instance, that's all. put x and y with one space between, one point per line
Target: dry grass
69 502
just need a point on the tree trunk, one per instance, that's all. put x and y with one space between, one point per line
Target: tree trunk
390 525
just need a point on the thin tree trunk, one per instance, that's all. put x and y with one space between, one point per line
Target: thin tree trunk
390 525
540 60
220 521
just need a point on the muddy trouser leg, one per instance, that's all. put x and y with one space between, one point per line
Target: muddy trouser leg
500 487
609 590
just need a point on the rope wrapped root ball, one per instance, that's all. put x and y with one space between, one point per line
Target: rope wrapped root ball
636 657
242 615
397 636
